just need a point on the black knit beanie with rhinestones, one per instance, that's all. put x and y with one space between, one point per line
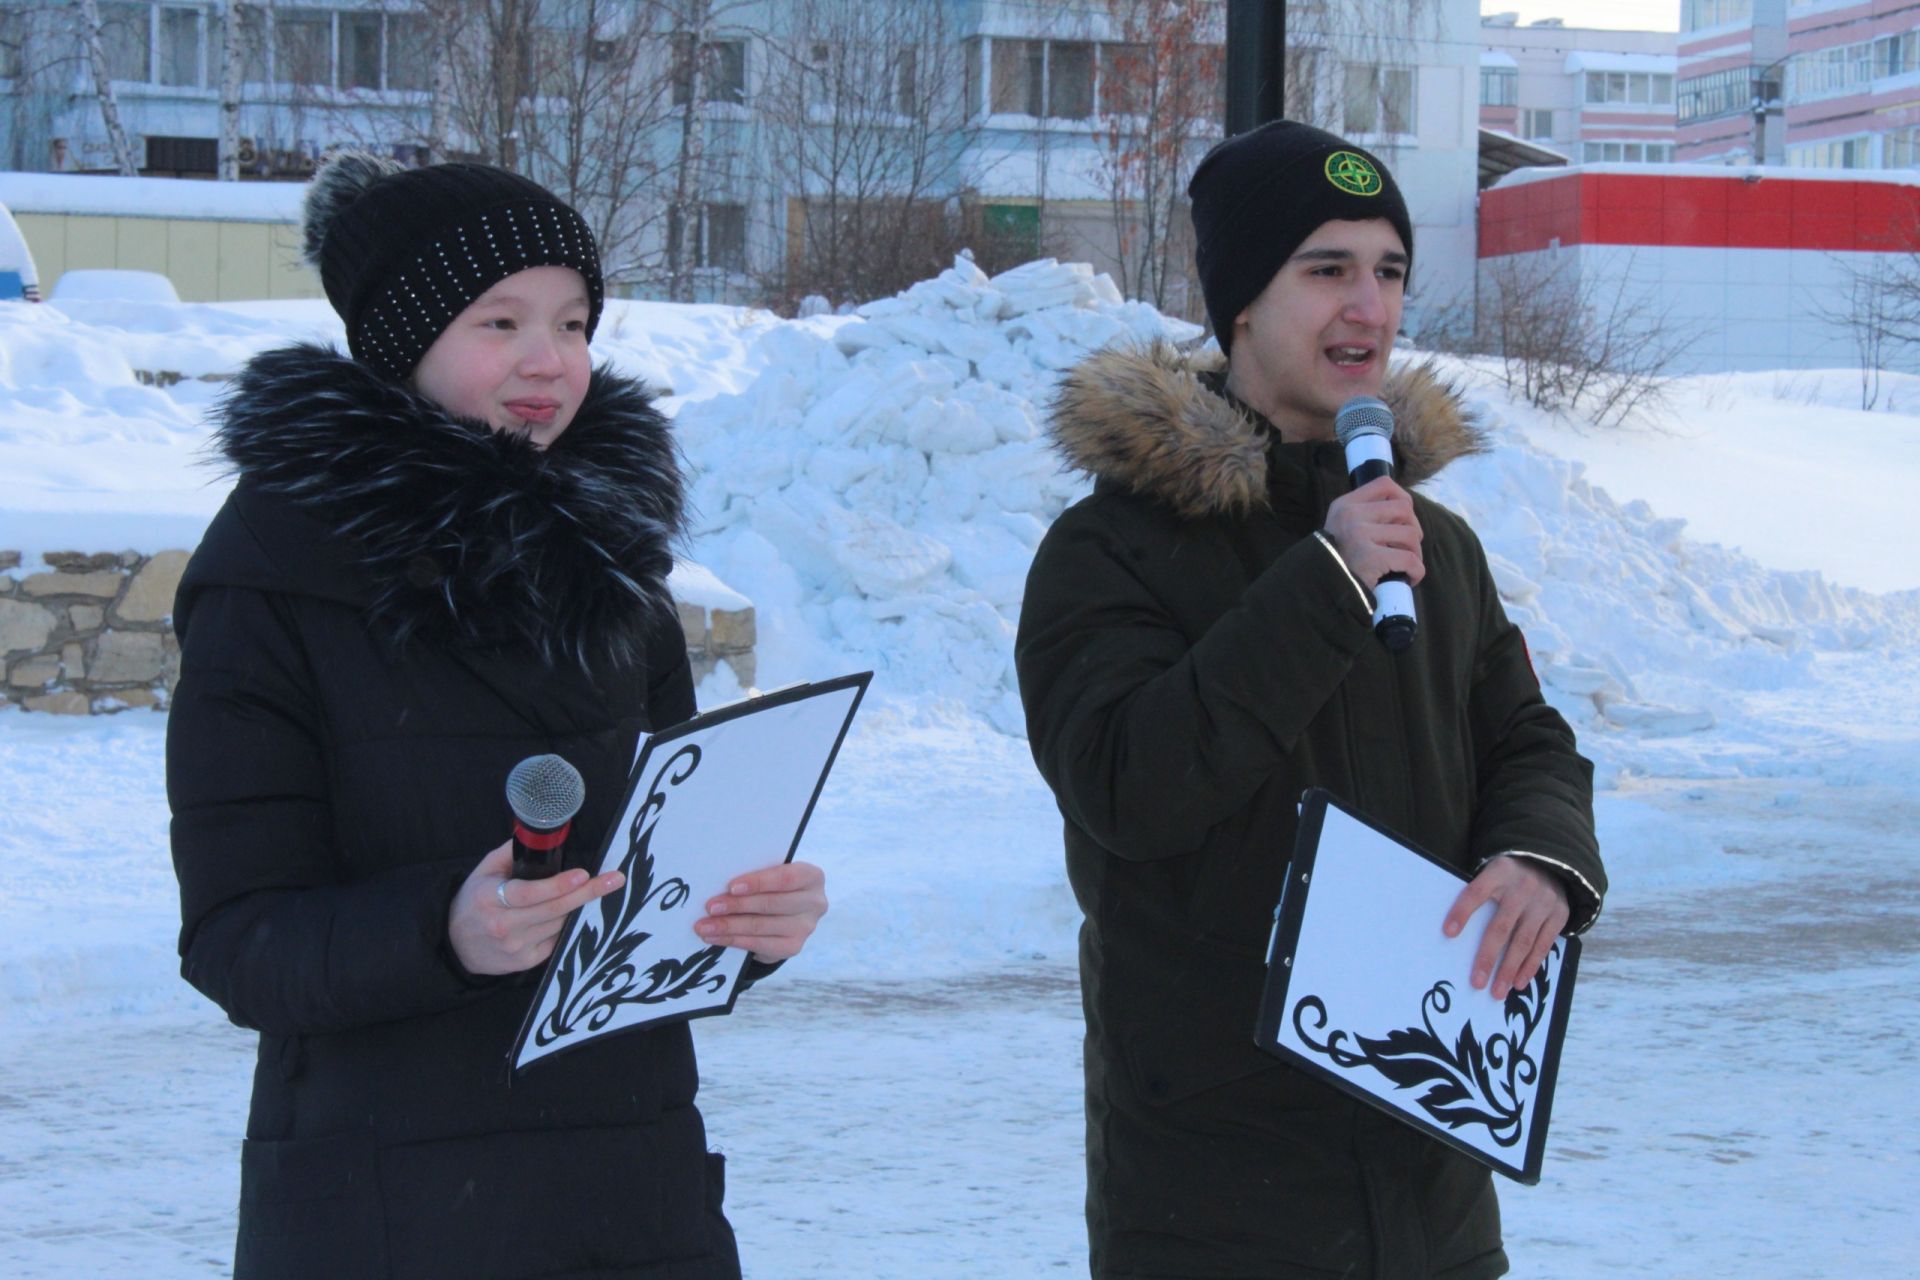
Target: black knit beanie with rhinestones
401 252
1259 194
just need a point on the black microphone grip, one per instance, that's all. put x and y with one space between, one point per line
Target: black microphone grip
1371 469
538 854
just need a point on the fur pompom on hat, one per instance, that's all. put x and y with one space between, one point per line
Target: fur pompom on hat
401 252
1259 194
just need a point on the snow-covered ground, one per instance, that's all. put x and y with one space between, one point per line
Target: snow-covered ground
905 1101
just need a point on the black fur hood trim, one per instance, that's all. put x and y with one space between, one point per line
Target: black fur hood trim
465 534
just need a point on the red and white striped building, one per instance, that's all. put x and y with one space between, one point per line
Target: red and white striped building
1842 78
1752 263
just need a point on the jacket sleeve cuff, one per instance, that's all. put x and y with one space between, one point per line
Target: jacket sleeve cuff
1366 601
1583 900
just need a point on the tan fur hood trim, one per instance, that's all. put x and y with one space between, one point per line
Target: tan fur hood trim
1142 419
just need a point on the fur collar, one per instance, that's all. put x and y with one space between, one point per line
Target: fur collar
1147 421
460 533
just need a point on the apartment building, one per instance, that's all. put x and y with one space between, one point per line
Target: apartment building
1826 84
1593 96
1023 99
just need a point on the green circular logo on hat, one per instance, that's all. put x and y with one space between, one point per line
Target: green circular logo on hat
1353 173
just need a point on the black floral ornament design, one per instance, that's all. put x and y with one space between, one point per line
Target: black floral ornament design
598 973
1468 1083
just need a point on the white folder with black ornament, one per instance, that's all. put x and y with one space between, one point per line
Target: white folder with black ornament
1365 992
726 792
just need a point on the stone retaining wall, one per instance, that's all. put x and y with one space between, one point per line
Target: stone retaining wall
93 632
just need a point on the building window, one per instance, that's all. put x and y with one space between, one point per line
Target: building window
1069 80
906 81
359 50
180 48
1078 79
719 236
1852 68
303 47
1629 87
1627 153
1721 93
409 41
1835 153
1019 77
1379 100
723 70
126 34
1697 15
1536 122
1499 86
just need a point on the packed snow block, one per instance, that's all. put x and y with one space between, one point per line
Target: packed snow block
1708 616
1653 721
1514 586
1043 283
949 426
885 559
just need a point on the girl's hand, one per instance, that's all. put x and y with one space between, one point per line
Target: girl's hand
771 912
501 925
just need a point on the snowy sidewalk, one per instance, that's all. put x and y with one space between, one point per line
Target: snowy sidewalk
1734 1098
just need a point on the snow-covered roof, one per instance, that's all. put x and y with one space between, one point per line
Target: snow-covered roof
1657 63
114 196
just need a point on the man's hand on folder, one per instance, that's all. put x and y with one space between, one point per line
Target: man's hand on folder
1532 912
771 912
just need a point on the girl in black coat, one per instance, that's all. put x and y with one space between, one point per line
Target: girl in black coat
444 553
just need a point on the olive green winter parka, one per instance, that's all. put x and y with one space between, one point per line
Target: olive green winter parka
1191 658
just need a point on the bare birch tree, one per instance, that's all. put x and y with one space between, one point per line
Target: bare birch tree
87 14
234 38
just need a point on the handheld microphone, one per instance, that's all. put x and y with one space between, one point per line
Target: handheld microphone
1364 426
544 793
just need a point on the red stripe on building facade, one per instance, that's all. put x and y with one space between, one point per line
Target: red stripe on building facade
1710 213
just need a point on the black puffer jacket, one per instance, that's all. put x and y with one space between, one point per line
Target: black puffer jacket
1191 658
392 609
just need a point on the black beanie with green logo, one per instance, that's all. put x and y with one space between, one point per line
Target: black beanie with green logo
1259 194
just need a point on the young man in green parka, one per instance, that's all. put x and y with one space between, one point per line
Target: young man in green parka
1196 648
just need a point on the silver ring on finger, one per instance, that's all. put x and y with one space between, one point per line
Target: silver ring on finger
500 892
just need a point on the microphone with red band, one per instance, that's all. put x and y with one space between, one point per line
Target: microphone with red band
544 792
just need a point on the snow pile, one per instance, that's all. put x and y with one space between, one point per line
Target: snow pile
1631 623
876 484
884 481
